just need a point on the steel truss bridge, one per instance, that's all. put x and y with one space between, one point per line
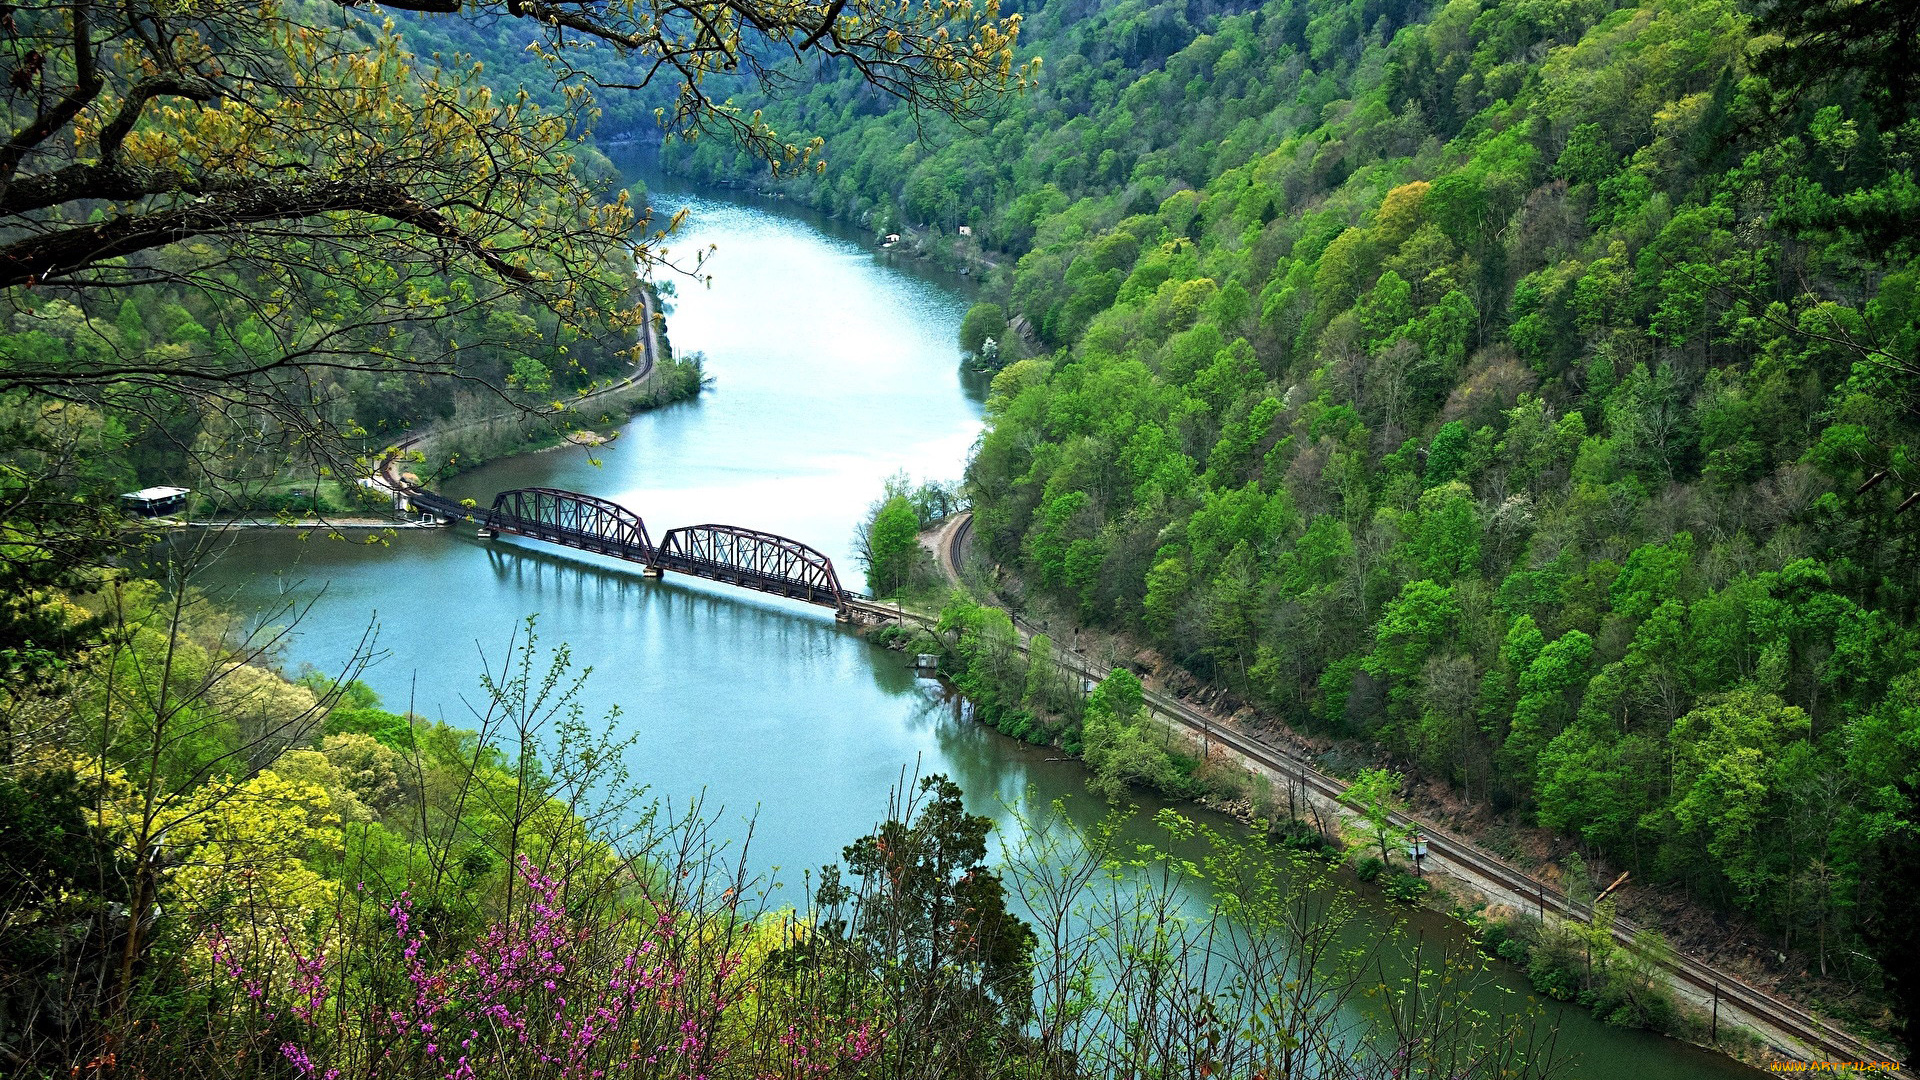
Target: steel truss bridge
727 553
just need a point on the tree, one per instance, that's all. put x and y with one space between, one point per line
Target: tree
531 377
1447 452
1894 931
1596 785
893 546
1376 792
1050 687
1446 539
1119 695
927 923
1413 628
1724 775
1117 746
984 322
1544 697
1587 158
427 150
60 869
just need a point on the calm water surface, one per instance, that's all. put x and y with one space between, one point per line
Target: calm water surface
832 368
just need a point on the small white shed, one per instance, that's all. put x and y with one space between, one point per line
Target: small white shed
155 501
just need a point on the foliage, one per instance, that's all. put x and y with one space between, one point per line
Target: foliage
1527 389
1123 746
925 926
893 546
887 543
985 323
1823 42
1581 961
1406 888
501 901
1375 791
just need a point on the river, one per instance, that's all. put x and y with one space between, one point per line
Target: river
833 367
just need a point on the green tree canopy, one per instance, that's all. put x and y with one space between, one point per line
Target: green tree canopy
893 546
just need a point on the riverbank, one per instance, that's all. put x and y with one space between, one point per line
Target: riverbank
657 378
1485 890
440 451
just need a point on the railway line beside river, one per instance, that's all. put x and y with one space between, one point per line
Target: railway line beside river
1789 1031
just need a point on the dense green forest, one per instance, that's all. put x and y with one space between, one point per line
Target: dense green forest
1526 387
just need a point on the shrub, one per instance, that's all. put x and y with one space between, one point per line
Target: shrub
1623 1003
1556 968
1297 835
1406 888
390 728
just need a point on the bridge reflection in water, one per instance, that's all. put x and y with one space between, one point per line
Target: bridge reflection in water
726 553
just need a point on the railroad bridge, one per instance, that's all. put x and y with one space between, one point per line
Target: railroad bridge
727 553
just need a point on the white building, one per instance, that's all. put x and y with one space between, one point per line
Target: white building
155 501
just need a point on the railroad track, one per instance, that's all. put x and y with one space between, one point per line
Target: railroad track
1801 1025
957 543
1796 1023
389 468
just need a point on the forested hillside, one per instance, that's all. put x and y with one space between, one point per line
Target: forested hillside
1526 386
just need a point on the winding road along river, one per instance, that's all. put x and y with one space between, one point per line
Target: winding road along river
832 368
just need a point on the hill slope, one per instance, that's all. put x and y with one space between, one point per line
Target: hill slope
1527 386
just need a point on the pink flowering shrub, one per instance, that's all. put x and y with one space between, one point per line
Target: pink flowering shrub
652 992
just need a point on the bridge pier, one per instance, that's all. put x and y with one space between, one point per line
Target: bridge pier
487 532
653 571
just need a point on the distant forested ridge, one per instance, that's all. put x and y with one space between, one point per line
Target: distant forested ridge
1526 385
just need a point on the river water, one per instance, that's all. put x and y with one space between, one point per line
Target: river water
832 367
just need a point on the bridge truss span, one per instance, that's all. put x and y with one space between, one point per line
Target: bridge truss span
731 554
757 560
572 519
